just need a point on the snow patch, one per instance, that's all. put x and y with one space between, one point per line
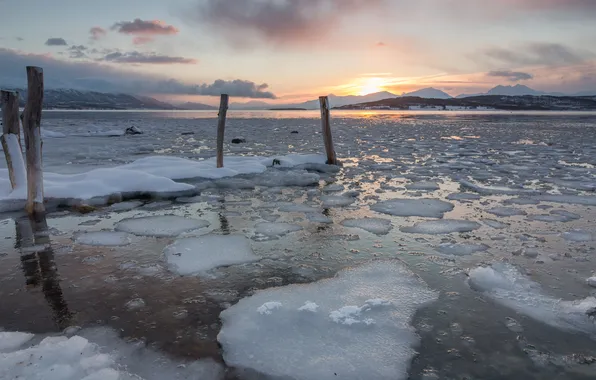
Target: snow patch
373 225
439 227
276 229
461 249
103 238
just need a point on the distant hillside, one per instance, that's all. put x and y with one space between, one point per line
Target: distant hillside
512 103
521 90
74 99
429 93
196 106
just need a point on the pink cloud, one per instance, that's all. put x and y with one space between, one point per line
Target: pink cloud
144 27
142 40
97 32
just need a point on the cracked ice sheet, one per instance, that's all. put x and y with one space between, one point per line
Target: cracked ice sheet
353 326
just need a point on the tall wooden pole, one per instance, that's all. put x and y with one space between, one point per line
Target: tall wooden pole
32 131
221 127
326 123
11 139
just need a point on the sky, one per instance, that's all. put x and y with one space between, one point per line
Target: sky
284 51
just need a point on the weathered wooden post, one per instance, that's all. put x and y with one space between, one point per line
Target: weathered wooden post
32 131
11 139
221 127
325 120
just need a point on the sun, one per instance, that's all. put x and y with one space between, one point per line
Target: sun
370 86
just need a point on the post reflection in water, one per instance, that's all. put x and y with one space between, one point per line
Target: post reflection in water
223 219
38 265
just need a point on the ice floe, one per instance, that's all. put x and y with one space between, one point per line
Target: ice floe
439 227
362 306
373 225
461 249
330 201
276 229
430 208
103 238
195 255
579 236
160 226
506 211
93 354
504 284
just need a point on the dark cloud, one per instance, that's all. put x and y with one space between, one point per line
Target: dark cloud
56 42
553 5
144 27
277 21
512 76
19 39
96 76
77 51
97 32
148 58
548 54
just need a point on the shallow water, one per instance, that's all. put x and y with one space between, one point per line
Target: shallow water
49 282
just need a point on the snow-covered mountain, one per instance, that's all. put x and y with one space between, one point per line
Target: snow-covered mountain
517 90
429 93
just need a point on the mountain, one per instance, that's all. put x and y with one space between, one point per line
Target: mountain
429 93
499 102
252 105
196 106
74 99
334 101
517 90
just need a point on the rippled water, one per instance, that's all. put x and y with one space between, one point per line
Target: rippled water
48 282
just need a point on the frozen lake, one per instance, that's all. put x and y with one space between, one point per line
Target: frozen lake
448 246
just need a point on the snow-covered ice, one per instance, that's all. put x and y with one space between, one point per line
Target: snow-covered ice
423 186
276 229
579 236
196 255
297 207
103 238
438 227
330 201
461 249
504 284
463 197
373 225
94 354
160 226
360 328
12 340
268 307
430 208
506 211
494 224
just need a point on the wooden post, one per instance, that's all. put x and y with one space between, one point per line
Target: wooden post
11 139
32 131
221 127
325 120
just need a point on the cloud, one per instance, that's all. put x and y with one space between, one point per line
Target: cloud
548 54
97 32
554 5
144 27
142 40
19 39
381 44
277 21
513 76
77 51
97 76
147 58
56 42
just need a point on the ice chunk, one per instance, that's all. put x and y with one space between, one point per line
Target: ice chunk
579 236
461 249
373 225
135 304
495 190
125 206
495 224
312 307
591 281
12 340
430 208
569 199
160 226
438 227
506 211
319 218
47 134
330 201
276 229
333 188
388 295
504 284
195 255
423 185
268 307
103 238
555 216
296 207
463 197
99 355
